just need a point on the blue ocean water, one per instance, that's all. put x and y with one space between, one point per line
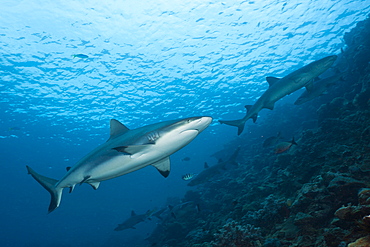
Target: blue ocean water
148 61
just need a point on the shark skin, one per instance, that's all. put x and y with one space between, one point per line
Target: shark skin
319 88
124 152
209 172
279 88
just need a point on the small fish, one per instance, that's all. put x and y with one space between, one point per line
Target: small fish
284 146
80 56
14 128
186 159
188 176
272 140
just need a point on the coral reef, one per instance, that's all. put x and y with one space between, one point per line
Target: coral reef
315 194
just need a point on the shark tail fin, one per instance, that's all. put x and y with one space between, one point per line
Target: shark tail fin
49 185
237 123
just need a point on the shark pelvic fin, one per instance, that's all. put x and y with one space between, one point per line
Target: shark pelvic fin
163 166
272 80
84 180
116 129
49 185
206 165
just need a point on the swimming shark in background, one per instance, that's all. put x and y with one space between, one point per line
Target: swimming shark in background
131 222
319 88
210 171
278 88
124 152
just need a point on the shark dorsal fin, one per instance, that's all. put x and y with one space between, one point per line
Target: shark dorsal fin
272 80
163 166
133 213
116 129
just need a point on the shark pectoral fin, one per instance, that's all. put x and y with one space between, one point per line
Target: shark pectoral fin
272 80
117 128
95 185
49 185
309 86
163 166
131 149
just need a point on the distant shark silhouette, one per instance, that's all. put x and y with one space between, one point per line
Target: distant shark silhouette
124 152
319 88
210 171
278 88
131 222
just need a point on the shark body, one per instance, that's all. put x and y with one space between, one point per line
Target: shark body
124 152
278 88
131 222
209 172
319 88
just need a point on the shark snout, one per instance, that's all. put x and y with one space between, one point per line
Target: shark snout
202 123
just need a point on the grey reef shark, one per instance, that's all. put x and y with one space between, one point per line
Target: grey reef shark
131 222
319 88
278 88
210 171
126 151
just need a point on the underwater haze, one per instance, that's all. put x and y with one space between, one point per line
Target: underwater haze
68 67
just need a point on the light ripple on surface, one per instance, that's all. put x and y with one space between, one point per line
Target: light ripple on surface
150 61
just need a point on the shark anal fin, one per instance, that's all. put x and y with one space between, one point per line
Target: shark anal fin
71 188
163 166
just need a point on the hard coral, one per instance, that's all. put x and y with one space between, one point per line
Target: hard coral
234 234
361 242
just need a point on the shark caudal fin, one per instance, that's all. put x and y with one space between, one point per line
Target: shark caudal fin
237 123
49 185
